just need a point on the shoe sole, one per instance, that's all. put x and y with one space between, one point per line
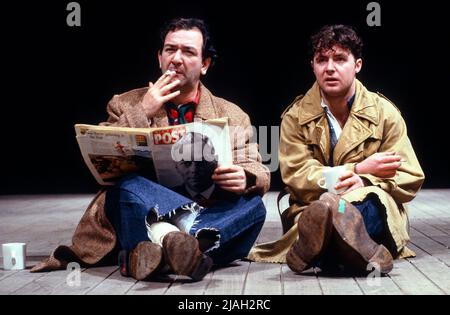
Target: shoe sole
357 249
145 259
182 253
314 228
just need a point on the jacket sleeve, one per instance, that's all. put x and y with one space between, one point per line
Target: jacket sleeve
123 113
300 170
409 178
246 155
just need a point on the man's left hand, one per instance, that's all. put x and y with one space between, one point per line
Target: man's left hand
350 181
230 178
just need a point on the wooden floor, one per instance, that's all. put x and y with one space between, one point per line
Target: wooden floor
43 222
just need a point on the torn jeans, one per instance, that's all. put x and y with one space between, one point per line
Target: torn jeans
226 231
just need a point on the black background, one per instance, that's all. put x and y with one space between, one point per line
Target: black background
55 76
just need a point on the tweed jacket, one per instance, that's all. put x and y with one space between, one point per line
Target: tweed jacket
94 240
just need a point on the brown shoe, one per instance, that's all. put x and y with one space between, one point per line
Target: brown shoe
354 246
182 253
314 232
143 261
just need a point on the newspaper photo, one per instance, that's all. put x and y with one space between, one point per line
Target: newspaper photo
174 153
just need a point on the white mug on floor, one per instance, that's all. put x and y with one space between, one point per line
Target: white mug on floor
330 178
14 256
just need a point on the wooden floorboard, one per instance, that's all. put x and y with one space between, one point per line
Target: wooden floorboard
229 280
430 246
433 269
411 281
263 279
115 284
306 283
90 279
339 285
378 286
46 221
154 287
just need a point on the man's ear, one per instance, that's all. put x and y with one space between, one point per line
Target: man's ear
159 58
358 65
205 65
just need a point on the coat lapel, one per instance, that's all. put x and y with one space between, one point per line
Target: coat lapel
353 134
311 110
322 138
160 119
206 108
355 130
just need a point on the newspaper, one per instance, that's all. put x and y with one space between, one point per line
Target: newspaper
112 152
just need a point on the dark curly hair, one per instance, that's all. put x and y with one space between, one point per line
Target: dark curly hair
176 24
341 35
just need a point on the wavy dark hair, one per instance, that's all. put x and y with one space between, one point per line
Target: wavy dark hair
341 35
208 50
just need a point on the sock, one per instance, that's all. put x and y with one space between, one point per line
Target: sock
158 230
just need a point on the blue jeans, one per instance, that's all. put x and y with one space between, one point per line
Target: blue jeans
230 226
373 220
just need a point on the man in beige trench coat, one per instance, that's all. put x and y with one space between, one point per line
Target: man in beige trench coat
340 123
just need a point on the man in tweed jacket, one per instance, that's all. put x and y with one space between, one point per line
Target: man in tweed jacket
154 227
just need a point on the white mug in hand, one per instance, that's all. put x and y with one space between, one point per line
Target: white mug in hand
14 256
330 178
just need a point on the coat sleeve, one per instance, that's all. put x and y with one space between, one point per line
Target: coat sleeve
246 155
300 170
124 113
409 178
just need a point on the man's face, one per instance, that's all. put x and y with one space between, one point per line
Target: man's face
198 167
197 174
182 53
335 70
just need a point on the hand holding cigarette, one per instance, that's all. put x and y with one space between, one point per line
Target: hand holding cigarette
162 91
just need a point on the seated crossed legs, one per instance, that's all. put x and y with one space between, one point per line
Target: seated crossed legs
179 253
334 230
161 231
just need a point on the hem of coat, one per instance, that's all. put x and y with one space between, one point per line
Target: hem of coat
402 250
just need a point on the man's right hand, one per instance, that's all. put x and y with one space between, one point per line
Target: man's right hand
381 164
160 93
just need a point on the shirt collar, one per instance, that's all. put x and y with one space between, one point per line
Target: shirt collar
195 100
350 102
206 193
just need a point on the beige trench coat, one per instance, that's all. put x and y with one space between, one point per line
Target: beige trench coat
374 125
94 240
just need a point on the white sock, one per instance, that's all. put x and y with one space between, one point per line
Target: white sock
158 230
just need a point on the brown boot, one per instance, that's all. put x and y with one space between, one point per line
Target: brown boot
314 232
355 248
184 257
142 261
